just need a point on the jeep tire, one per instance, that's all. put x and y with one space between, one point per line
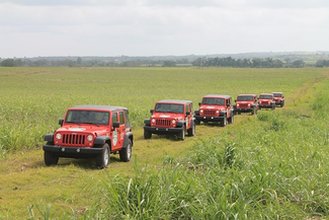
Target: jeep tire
191 131
103 159
125 153
147 135
223 123
50 158
231 119
197 122
182 134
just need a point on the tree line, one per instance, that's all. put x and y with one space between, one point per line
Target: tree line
199 62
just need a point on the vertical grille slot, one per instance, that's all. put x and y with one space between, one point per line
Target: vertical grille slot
209 112
74 139
163 122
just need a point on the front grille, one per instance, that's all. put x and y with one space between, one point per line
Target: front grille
265 103
209 112
74 139
243 105
163 122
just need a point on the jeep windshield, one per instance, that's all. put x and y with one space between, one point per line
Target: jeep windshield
265 96
245 98
87 117
277 94
173 108
213 101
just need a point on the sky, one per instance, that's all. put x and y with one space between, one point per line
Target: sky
30 28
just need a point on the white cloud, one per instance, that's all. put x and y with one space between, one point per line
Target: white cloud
160 27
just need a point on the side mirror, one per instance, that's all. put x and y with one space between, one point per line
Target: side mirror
234 100
116 124
151 111
199 103
188 113
60 122
283 97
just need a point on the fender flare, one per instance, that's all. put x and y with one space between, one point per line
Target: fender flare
101 140
128 136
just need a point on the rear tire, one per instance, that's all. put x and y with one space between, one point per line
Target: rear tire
147 135
125 153
103 159
50 158
197 122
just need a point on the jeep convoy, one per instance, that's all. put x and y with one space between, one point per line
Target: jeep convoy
96 131
91 131
170 117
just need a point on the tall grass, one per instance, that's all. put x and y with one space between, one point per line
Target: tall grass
271 167
33 99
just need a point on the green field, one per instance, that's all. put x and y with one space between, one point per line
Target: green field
270 166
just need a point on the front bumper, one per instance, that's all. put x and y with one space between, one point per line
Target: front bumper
157 130
266 105
73 152
244 109
209 118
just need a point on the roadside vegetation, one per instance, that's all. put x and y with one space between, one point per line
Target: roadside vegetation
268 166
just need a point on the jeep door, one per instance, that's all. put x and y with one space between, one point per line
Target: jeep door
189 116
115 134
122 127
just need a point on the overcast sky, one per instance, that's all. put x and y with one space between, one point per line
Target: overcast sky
161 27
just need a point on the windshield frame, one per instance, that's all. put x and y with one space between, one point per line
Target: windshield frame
213 98
250 98
156 108
266 96
88 115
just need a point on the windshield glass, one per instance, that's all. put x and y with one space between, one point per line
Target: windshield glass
213 101
265 96
87 117
164 107
277 94
245 98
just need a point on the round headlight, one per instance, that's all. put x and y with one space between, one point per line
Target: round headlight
201 111
238 105
248 105
90 138
58 136
217 111
153 120
173 121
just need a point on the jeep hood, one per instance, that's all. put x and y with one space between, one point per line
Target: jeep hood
213 107
84 129
168 115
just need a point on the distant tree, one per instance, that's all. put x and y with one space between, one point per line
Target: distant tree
298 63
79 61
169 63
8 62
322 63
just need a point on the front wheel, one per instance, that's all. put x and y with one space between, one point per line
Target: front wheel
182 134
191 131
103 159
50 159
147 135
125 153
223 123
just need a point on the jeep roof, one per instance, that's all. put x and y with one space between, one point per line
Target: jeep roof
217 96
266 94
247 95
98 107
175 101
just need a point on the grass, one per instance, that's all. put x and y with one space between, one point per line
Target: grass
269 166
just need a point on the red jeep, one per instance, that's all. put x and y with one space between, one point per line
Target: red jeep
170 117
215 108
278 98
266 100
246 103
91 131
